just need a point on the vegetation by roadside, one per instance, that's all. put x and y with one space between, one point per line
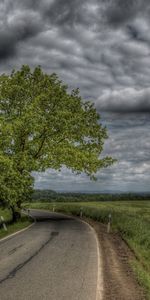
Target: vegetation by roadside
130 219
12 227
6 214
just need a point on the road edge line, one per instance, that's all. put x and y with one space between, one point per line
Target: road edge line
15 233
100 280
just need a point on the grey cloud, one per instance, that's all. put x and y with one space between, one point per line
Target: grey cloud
12 5
138 30
64 12
135 33
119 13
7 45
17 27
68 13
129 142
128 100
130 173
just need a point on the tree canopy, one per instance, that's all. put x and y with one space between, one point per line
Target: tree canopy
42 125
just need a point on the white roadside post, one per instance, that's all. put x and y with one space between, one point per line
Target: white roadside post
54 206
109 223
3 223
81 212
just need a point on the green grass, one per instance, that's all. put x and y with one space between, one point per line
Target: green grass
6 213
11 228
131 219
142 275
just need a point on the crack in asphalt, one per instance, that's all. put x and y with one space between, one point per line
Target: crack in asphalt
15 249
20 266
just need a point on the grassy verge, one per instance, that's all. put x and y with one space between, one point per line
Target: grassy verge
6 213
130 219
11 228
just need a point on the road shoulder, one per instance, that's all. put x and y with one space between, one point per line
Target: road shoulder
15 233
119 279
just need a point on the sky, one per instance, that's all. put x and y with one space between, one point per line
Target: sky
103 48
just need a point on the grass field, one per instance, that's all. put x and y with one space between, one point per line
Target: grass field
130 218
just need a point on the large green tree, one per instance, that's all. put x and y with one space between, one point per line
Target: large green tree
42 125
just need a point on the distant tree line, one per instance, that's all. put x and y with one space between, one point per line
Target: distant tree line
50 196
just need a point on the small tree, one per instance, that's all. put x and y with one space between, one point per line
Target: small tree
44 126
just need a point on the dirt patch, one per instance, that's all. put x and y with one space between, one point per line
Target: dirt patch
119 279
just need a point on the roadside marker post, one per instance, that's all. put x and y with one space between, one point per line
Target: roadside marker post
3 223
81 212
109 223
54 206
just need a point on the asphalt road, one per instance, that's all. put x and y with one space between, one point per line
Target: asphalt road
57 259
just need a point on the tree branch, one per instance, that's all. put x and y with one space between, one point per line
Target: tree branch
40 148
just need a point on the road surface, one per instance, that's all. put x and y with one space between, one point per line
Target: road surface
57 259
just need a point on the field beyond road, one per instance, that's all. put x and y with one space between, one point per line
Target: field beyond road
131 219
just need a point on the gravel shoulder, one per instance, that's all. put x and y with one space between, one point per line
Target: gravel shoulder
119 280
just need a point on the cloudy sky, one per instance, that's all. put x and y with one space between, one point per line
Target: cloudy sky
102 47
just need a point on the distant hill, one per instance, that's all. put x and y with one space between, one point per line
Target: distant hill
43 194
50 195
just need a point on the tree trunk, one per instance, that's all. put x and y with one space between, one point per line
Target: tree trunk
15 214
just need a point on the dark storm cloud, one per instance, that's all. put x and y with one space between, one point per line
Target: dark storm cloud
71 14
60 12
118 12
65 12
11 5
128 100
10 36
16 25
134 33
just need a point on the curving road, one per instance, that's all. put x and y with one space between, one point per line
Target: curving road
57 259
